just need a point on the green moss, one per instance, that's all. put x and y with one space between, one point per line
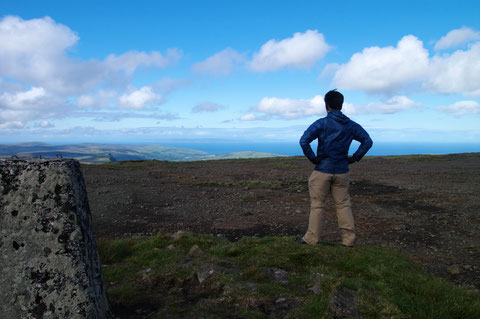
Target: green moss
388 284
114 251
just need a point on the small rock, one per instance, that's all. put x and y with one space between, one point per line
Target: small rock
344 303
453 270
206 271
315 288
281 306
251 286
147 271
195 251
316 278
146 275
319 276
279 275
179 234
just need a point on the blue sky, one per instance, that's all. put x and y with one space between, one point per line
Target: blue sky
156 71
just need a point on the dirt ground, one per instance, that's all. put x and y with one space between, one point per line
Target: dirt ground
425 206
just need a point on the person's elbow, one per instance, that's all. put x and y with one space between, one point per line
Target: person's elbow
369 143
304 142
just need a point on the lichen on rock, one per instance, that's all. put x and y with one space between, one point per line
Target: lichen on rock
49 265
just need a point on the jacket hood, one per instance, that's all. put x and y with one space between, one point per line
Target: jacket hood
338 116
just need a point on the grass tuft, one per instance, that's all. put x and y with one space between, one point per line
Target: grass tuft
159 273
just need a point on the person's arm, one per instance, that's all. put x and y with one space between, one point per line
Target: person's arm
365 144
308 136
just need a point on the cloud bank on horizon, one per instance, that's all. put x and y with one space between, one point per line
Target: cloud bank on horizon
43 82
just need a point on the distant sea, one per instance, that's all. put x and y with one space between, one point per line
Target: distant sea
293 149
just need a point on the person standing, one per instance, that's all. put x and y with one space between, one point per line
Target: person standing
334 133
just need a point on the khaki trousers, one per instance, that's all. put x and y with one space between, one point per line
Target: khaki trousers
319 186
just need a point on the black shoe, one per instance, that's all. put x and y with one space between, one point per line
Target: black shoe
300 240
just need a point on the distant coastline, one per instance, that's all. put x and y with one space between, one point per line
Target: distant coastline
103 153
211 150
293 148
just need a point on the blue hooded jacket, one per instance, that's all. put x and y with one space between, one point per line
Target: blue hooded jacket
335 133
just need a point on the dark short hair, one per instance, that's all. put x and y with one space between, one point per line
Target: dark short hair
334 100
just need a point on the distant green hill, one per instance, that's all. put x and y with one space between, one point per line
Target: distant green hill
104 153
247 154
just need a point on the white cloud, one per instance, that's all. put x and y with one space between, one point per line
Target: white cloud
286 108
21 100
138 99
292 109
85 100
458 72
130 61
392 105
112 116
20 38
349 108
456 38
220 63
300 51
385 69
462 108
19 107
249 117
98 99
408 66
15 118
35 52
44 80
11 125
207 107
254 117
329 70
45 124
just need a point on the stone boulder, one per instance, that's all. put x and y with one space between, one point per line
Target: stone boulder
344 304
49 266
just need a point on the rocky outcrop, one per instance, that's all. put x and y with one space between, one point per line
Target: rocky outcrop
344 304
49 266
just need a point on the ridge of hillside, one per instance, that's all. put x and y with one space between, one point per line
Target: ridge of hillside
90 153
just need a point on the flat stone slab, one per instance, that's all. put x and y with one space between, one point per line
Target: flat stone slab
49 266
